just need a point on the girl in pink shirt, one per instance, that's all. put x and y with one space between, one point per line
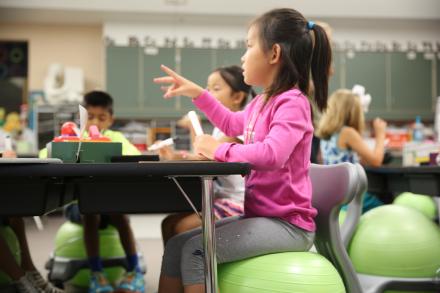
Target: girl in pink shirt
283 50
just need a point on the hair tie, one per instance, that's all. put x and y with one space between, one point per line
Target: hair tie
310 25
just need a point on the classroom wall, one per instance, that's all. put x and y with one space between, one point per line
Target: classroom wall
398 9
70 45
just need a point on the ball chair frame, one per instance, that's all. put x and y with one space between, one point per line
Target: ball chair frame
334 186
372 283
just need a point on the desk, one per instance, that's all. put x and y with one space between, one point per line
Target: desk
34 189
388 181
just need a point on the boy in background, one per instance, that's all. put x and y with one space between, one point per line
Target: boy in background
99 106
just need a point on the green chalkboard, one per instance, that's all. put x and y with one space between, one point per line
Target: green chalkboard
195 64
228 57
411 83
123 79
153 103
401 88
369 70
437 61
336 77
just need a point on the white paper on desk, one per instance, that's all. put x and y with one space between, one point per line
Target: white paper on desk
83 117
161 144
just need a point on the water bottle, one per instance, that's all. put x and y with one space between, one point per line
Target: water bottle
418 130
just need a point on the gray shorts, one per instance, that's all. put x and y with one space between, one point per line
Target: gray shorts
237 238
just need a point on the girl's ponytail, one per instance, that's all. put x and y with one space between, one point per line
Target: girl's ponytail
252 93
320 65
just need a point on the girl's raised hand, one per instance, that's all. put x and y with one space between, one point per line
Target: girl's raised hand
184 122
180 86
379 126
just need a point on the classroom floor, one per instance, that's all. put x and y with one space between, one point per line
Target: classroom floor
146 229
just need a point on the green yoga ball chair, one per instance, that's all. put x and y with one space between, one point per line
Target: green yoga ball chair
69 244
11 239
304 272
423 203
396 241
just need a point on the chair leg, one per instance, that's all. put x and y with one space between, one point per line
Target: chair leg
372 284
378 284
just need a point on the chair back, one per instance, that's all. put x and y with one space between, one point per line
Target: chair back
334 186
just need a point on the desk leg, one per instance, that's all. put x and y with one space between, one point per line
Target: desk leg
209 236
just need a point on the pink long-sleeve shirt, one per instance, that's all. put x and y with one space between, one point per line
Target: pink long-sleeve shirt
278 185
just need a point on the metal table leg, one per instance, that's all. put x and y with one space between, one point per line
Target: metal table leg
208 229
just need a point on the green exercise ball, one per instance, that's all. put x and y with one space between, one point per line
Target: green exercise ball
423 203
11 240
304 272
69 243
396 241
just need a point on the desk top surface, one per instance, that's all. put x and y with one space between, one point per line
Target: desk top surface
168 168
404 170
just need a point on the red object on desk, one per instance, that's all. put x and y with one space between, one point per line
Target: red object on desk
66 139
69 129
69 133
397 139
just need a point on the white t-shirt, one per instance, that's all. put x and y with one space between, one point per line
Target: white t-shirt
231 186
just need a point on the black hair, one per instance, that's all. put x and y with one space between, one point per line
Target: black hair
305 51
233 76
98 99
